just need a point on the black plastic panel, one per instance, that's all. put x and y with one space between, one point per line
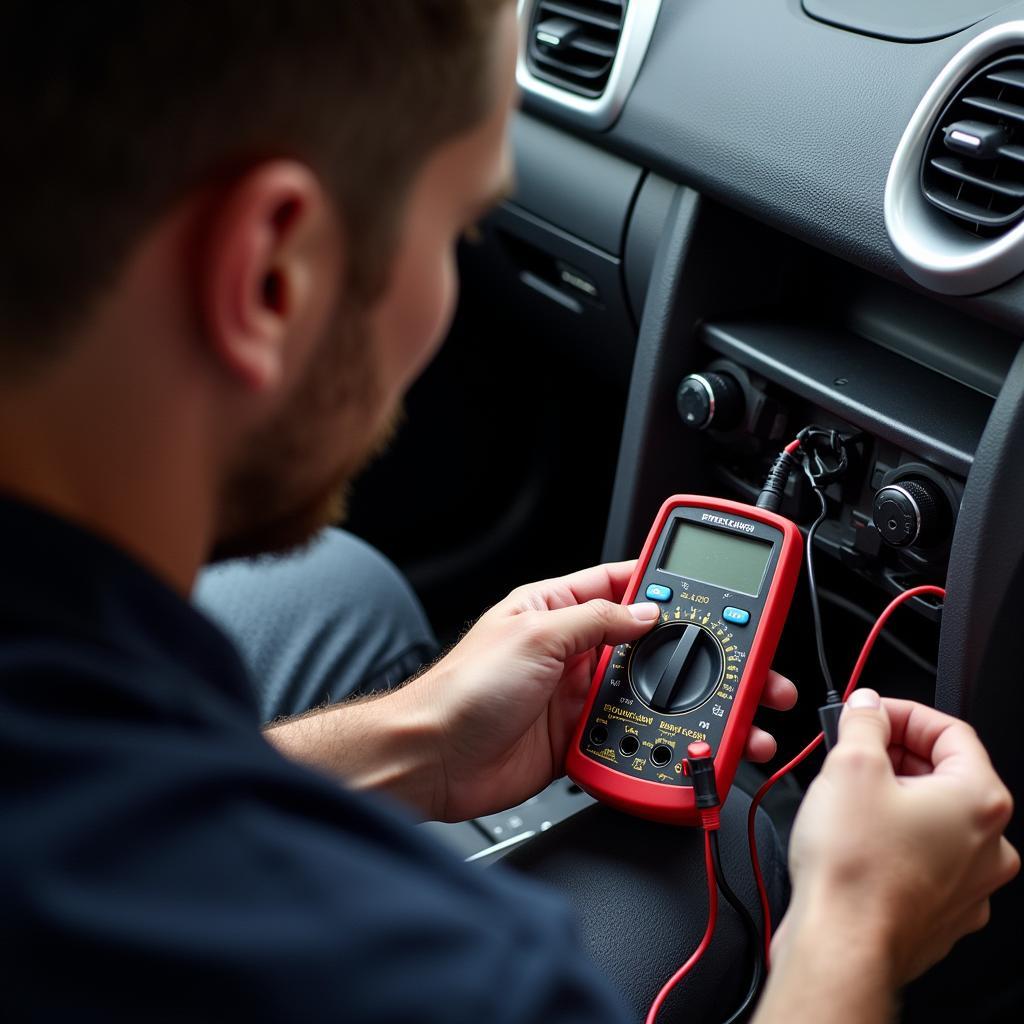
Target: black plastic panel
540 269
909 21
980 657
639 896
790 120
572 184
889 396
988 553
653 203
744 99
644 476
945 340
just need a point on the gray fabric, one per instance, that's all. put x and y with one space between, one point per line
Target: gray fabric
335 619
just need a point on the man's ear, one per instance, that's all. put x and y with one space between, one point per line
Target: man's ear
270 255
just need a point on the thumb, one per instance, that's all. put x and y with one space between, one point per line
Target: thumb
864 726
579 628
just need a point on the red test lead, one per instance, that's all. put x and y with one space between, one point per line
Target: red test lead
701 770
858 668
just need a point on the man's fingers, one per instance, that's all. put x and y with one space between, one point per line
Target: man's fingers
973 919
864 732
779 938
779 694
761 746
950 746
598 583
1009 862
566 632
999 867
907 764
607 582
919 728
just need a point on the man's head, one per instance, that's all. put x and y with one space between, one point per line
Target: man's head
274 190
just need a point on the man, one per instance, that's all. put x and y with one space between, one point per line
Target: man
230 250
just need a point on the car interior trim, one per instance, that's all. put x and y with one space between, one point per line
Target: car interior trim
944 424
931 249
600 113
664 346
909 21
593 205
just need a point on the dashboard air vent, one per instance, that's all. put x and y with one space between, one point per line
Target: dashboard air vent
954 198
973 166
573 43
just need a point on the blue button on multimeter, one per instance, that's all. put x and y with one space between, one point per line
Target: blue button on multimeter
737 616
656 592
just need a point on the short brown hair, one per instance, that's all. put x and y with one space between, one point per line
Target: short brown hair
113 111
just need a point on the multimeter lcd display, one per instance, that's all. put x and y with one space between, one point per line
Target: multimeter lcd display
718 558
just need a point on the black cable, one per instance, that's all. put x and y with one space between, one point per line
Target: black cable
825 456
753 935
774 488
825 459
831 693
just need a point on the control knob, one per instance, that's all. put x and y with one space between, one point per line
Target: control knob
911 511
709 400
676 667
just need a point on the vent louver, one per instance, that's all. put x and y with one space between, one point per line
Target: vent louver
973 165
573 43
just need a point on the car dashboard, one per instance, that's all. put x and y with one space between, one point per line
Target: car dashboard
822 203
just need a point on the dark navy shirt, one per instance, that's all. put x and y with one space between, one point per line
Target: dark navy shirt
160 861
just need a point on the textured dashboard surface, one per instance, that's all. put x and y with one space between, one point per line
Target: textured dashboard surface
910 20
787 119
790 119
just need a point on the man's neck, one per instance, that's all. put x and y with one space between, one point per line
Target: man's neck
114 467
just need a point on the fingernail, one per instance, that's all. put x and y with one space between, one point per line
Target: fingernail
645 611
864 699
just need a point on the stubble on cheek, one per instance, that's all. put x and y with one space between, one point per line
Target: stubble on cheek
292 477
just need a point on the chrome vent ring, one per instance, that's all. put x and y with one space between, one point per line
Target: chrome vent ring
954 197
581 58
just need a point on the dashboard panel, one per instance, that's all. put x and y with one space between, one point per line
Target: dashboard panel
731 219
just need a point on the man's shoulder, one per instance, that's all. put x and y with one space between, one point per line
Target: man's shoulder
161 861
172 848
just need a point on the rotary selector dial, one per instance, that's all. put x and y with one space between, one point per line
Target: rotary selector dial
707 400
911 511
676 667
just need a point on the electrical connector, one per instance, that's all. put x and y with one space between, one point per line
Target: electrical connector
701 769
774 487
829 715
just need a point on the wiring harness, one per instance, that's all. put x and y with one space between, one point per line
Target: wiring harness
823 457
701 769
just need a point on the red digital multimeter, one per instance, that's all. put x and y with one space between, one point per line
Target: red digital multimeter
724 574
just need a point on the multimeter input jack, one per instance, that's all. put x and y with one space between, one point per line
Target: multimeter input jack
629 745
661 755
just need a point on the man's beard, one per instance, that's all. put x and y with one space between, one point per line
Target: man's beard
270 505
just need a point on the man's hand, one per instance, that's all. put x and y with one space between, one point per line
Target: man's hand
509 694
488 726
895 852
